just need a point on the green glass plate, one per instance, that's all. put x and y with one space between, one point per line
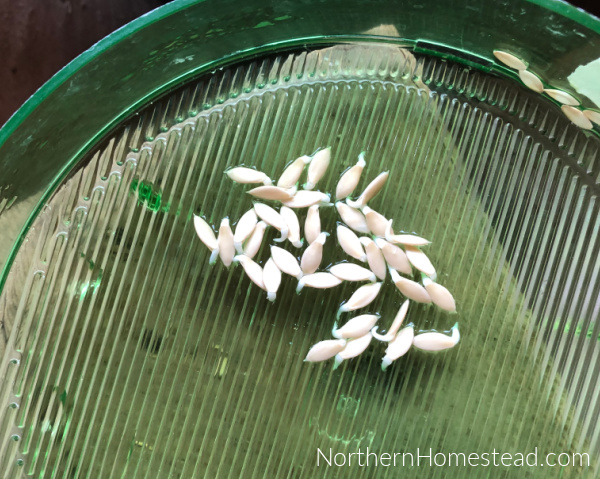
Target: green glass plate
128 355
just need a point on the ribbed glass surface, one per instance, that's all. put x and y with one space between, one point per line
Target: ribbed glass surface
129 356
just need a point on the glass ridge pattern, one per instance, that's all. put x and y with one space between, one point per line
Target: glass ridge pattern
128 357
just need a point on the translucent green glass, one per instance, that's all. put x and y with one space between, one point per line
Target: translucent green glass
128 355
184 38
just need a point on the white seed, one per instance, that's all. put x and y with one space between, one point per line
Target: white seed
291 174
592 115
577 116
253 243
252 269
399 346
419 260
510 60
370 191
311 258
410 289
205 233
304 199
362 297
398 320
318 167
352 272
286 262
312 225
440 296
376 222
318 281
404 239
293 225
350 243
562 97
244 228
352 217
356 327
350 178
272 218
245 175
225 240
353 348
531 81
374 257
207 236
394 256
434 341
325 350
274 193
408 240
271 279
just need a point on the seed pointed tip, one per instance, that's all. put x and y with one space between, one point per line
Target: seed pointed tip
455 333
385 362
361 159
388 230
337 362
271 296
394 274
376 335
213 256
321 238
284 234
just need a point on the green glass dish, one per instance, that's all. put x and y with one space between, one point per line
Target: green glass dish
125 354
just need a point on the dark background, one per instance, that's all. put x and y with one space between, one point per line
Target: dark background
39 37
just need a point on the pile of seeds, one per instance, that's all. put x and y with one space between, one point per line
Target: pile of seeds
583 118
382 252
